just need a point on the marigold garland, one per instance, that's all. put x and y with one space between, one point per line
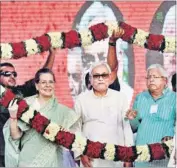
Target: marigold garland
81 145
86 37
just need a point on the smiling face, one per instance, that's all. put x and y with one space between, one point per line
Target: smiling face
100 78
45 86
7 78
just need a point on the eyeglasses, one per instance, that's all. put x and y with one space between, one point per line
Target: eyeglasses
154 77
7 73
44 83
97 76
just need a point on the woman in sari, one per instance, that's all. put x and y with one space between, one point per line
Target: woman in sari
24 146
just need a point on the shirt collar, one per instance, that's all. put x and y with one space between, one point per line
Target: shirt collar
106 95
164 92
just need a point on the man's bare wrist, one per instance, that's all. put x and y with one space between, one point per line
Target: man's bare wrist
13 118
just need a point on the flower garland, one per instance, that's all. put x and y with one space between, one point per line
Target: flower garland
86 37
81 145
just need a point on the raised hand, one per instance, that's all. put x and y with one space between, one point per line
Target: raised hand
13 108
116 34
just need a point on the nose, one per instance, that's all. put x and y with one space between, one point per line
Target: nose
47 84
100 78
12 76
151 79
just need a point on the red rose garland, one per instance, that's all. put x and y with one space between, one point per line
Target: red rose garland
18 50
99 31
65 138
43 42
73 39
92 149
39 123
155 42
7 96
157 151
22 106
129 32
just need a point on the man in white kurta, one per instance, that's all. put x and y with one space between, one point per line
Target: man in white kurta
102 114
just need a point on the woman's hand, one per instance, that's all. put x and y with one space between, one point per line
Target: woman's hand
13 108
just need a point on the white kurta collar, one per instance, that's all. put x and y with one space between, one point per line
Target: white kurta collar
98 97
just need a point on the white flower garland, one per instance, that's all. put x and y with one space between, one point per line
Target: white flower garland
51 131
86 39
110 152
170 44
144 154
28 115
56 40
31 47
140 37
170 145
79 143
6 51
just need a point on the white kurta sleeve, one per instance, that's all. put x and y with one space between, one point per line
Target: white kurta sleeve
77 128
128 134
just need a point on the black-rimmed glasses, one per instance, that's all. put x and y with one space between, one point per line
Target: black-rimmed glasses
97 76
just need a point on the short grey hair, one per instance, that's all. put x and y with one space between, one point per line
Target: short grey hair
160 68
94 65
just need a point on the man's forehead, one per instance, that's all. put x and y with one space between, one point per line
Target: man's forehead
9 68
100 69
154 71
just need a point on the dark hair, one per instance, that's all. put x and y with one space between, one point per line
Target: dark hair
87 81
173 81
6 64
42 71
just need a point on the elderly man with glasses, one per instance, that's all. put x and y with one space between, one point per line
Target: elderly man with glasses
154 112
8 80
102 115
